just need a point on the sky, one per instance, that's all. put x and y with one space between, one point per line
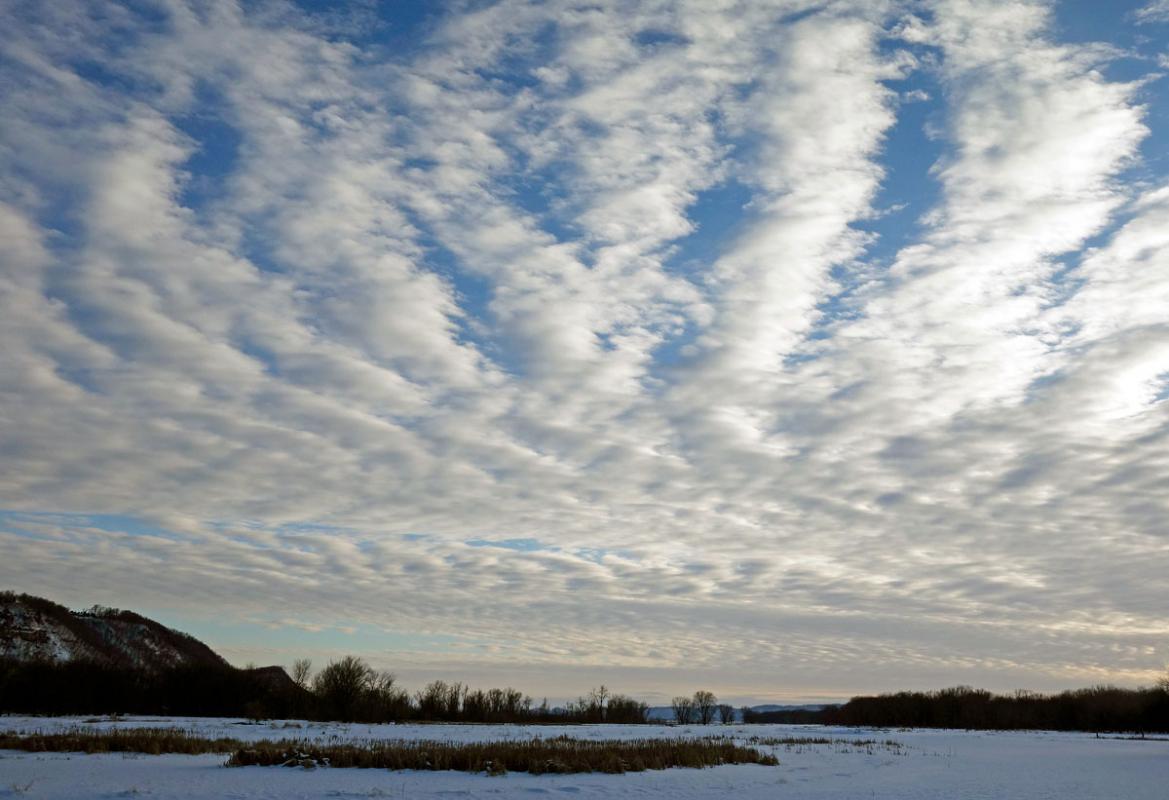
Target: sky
788 349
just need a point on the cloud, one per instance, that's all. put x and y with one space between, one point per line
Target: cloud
1156 11
295 321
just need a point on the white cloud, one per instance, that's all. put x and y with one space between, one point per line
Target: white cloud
1156 11
438 298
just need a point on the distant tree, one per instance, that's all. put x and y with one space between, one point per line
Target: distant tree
384 700
747 714
726 714
302 670
440 700
1163 682
454 700
704 705
623 709
683 708
342 685
598 697
496 705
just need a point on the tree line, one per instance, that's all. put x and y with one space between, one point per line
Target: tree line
92 687
1101 709
1098 708
345 690
350 690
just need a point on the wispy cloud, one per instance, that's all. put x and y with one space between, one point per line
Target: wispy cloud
1156 11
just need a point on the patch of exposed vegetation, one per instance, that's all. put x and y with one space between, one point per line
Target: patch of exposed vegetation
839 744
536 756
151 741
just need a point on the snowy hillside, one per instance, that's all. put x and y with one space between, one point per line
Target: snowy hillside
34 629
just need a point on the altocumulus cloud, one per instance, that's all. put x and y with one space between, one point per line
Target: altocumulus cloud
792 347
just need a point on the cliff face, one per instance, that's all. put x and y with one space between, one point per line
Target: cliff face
35 629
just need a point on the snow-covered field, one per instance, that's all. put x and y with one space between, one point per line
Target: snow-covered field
955 765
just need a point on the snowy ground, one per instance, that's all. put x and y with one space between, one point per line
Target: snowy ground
955 765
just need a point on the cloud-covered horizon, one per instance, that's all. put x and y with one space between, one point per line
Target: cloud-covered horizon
794 348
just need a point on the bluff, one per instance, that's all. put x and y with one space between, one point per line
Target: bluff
104 660
36 629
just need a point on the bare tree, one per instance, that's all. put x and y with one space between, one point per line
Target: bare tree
683 708
598 697
704 705
342 685
387 700
302 671
726 714
439 700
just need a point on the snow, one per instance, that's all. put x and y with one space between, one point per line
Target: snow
30 635
955 765
32 632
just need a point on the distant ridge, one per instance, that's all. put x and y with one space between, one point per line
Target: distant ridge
36 629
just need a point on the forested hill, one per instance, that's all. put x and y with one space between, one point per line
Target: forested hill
35 629
57 661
